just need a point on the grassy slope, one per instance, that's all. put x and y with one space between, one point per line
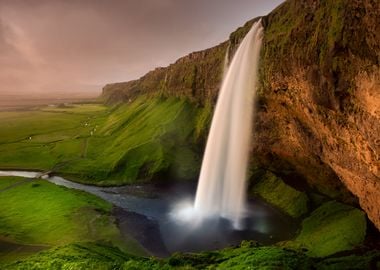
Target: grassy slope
141 139
106 146
38 212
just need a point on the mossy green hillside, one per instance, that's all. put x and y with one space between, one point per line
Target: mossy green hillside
38 212
273 190
108 145
331 228
140 140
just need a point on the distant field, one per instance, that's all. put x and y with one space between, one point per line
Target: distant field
18 102
41 139
102 145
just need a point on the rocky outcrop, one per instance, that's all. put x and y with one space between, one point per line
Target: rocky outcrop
320 97
317 123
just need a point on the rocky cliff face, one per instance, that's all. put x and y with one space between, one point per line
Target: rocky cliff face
196 76
320 96
319 100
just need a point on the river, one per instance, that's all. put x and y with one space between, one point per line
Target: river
144 211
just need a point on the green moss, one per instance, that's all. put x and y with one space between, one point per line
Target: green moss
203 121
80 256
103 256
331 228
370 260
267 258
272 189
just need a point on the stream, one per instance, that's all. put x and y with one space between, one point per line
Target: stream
145 212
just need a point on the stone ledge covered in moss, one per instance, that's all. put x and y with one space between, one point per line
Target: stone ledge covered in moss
331 228
273 190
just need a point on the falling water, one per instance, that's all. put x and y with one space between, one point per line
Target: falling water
221 188
226 61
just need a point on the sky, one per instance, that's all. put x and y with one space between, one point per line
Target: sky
67 47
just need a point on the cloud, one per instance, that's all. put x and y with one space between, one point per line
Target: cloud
80 45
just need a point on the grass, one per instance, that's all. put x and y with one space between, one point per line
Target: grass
102 145
331 228
88 109
18 126
38 212
102 256
286 198
76 256
6 182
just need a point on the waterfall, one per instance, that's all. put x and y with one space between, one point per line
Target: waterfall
222 182
226 61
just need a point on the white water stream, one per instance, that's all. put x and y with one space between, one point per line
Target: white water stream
222 183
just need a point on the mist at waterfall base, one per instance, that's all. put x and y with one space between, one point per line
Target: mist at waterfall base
220 202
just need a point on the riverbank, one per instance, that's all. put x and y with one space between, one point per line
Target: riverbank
40 213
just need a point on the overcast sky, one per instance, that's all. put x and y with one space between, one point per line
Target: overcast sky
66 46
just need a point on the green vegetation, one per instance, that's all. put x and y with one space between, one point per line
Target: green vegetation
97 256
106 146
36 212
19 126
84 108
272 189
139 140
42 139
77 256
203 121
331 228
369 260
102 256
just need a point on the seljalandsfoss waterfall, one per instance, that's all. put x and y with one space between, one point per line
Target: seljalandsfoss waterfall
222 183
221 188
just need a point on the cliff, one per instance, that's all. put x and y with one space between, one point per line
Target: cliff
196 76
320 95
317 123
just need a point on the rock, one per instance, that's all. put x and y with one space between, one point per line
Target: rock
277 193
331 228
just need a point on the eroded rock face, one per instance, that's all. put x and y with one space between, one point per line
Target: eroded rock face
328 148
320 96
319 101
